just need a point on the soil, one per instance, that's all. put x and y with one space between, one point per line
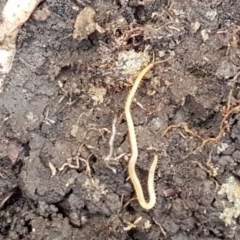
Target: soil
66 93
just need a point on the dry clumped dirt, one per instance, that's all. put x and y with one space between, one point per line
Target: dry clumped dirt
66 93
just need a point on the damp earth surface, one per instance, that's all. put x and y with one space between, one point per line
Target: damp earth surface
64 143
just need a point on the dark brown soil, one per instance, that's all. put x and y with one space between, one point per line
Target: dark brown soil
63 94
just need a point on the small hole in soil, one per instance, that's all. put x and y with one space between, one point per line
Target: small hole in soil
130 209
93 158
26 149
